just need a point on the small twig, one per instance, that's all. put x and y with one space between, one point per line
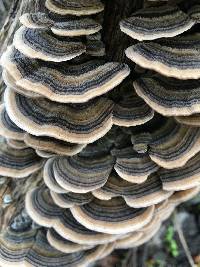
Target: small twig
183 240
130 259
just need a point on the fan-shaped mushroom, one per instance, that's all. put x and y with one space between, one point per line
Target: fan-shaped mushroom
52 145
41 44
177 57
156 22
60 82
82 124
77 8
7 127
132 166
135 195
168 96
42 210
18 163
112 216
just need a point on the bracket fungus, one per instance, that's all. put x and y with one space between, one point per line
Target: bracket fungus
182 178
69 122
68 27
184 195
194 13
76 27
41 44
58 83
49 178
52 145
192 120
132 166
177 160
77 8
82 124
11 83
42 210
156 22
27 247
132 111
80 174
168 96
112 216
7 127
18 163
135 195
105 158
177 57
174 144
64 245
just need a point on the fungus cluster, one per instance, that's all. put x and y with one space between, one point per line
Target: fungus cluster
112 164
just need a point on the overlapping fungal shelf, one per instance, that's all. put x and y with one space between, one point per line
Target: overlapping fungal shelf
112 164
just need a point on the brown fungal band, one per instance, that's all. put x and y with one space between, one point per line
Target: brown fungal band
156 22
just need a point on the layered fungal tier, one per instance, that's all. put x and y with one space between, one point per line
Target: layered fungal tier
107 155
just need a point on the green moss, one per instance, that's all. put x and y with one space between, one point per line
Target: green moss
170 242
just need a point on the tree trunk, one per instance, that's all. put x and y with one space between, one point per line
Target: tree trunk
115 42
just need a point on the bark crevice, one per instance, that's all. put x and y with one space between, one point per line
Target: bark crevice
116 41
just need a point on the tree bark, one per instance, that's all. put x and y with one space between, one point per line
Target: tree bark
116 41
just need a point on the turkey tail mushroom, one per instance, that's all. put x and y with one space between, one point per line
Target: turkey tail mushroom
156 22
